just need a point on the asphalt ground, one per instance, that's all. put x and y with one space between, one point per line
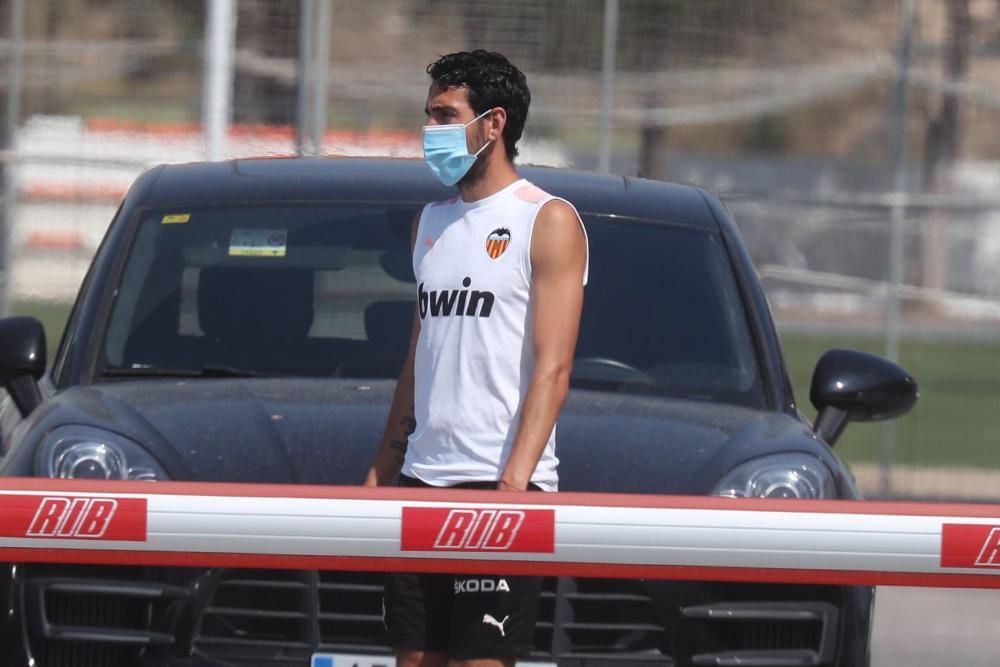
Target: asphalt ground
940 483
933 627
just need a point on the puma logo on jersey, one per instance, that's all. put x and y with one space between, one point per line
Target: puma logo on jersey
460 303
489 620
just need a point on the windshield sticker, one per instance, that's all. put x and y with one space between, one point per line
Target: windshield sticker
176 219
258 243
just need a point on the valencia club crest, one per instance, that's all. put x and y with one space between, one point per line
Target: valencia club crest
497 242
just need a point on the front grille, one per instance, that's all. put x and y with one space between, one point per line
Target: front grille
594 618
84 654
100 621
787 633
775 635
119 617
350 610
281 617
71 609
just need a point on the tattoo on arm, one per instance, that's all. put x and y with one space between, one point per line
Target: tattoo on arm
400 447
409 425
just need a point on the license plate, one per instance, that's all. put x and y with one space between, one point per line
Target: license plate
351 660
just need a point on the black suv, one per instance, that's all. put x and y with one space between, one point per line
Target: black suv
224 293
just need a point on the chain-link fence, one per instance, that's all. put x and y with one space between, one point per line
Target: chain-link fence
787 108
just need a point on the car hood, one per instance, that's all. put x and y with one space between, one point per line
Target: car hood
322 431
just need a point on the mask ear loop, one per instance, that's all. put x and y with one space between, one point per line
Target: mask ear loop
478 117
476 154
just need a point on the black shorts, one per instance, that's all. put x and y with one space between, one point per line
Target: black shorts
467 616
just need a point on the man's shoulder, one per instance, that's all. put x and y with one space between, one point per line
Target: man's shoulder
442 202
549 204
531 193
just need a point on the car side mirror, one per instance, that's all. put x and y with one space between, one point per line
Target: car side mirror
22 360
849 385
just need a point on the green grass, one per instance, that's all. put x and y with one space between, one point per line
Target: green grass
53 315
955 422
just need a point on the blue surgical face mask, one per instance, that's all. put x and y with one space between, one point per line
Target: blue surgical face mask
447 152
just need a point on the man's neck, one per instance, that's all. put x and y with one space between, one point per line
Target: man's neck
498 176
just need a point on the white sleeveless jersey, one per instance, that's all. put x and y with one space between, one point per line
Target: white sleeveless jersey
474 355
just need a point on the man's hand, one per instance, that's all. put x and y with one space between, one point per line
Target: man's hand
392 451
505 485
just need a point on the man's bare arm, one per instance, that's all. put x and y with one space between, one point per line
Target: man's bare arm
401 421
558 259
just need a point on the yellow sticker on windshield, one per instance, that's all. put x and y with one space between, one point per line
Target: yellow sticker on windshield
258 243
176 219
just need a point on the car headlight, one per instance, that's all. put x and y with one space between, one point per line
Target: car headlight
778 476
84 452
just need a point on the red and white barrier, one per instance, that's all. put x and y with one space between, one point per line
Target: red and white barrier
601 535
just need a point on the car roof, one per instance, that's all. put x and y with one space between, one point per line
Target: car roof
401 181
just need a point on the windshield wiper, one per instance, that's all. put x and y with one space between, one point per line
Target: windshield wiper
204 372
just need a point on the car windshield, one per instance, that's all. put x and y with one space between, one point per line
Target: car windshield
328 290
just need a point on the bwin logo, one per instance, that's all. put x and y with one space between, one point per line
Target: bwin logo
445 303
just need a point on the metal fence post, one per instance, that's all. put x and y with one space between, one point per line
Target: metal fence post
304 75
609 48
321 66
220 41
897 223
8 152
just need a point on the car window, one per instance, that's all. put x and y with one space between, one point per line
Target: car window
300 290
663 315
329 290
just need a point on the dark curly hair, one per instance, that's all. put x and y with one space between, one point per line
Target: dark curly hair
492 81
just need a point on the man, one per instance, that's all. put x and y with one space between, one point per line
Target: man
500 272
